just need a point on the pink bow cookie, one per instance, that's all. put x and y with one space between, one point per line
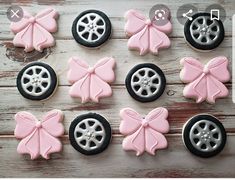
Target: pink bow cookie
144 134
35 32
145 35
91 83
205 82
39 137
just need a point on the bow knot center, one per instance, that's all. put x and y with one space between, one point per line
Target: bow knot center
206 70
145 123
38 124
148 22
91 70
32 20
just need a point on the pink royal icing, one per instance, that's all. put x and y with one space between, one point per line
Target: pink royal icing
39 137
145 35
35 32
205 82
144 134
91 83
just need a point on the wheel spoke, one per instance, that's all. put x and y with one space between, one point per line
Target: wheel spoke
195 31
207 124
34 70
81 23
46 80
208 146
97 18
215 130
215 33
28 84
155 86
149 92
34 89
208 39
27 76
200 37
196 23
96 141
138 75
97 34
90 36
198 144
136 83
204 20
213 24
100 27
155 76
99 133
196 136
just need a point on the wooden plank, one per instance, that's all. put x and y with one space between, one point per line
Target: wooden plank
73 8
175 161
13 59
180 109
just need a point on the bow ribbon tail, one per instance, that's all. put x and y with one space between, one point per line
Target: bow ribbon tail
81 89
150 141
24 38
138 141
154 140
199 86
30 145
48 143
85 88
215 89
140 41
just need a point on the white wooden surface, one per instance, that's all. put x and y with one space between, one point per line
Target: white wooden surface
176 161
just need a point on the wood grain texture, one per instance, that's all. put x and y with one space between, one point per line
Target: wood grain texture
176 161
14 59
180 109
73 7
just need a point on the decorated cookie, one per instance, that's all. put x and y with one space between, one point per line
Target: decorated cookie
91 28
204 135
145 35
37 81
144 133
39 137
35 32
90 133
205 82
204 33
145 82
91 83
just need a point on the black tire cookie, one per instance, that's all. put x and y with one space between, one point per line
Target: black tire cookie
91 28
37 81
203 33
145 82
90 133
204 135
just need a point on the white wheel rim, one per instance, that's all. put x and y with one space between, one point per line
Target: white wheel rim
203 32
205 136
145 82
89 136
91 27
36 80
